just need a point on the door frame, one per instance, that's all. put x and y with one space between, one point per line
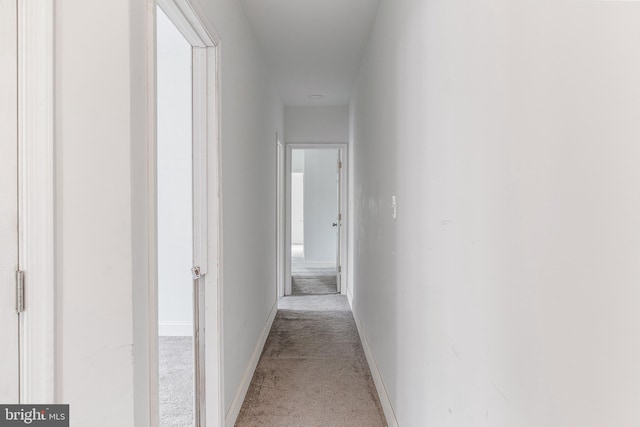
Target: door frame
36 195
191 22
343 208
280 215
9 252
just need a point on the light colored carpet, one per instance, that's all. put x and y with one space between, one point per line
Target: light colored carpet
313 285
313 371
311 278
300 267
176 381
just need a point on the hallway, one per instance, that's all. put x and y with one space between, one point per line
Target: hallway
489 272
313 371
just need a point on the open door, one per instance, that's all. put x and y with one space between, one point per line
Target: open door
9 332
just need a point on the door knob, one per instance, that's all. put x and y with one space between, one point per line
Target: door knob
335 224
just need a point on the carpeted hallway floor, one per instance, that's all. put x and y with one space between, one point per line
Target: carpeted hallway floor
313 371
313 284
311 278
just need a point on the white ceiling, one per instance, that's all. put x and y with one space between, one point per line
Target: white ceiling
312 46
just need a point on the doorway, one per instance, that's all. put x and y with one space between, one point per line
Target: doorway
176 308
186 372
315 228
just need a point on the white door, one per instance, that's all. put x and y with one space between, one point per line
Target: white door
9 372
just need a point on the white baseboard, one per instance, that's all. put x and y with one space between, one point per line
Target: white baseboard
175 329
385 401
234 410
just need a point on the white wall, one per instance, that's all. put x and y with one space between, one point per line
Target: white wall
320 205
101 204
101 270
316 124
506 292
175 204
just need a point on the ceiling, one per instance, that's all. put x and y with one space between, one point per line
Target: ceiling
312 46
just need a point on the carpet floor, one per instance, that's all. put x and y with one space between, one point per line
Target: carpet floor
176 381
313 285
301 267
311 278
313 371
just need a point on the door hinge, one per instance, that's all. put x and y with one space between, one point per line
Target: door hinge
195 272
340 165
19 291
340 217
339 269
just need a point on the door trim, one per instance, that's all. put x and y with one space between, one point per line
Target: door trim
191 22
9 321
36 191
344 206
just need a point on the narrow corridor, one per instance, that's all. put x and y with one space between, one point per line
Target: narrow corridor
313 370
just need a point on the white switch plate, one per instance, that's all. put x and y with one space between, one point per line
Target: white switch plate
394 207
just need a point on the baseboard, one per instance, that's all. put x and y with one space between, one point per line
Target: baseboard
236 405
175 329
385 401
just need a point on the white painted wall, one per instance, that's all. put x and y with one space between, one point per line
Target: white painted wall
175 204
506 292
316 124
320 205
101 204
101 167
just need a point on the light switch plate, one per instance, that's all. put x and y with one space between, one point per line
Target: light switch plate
394 206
